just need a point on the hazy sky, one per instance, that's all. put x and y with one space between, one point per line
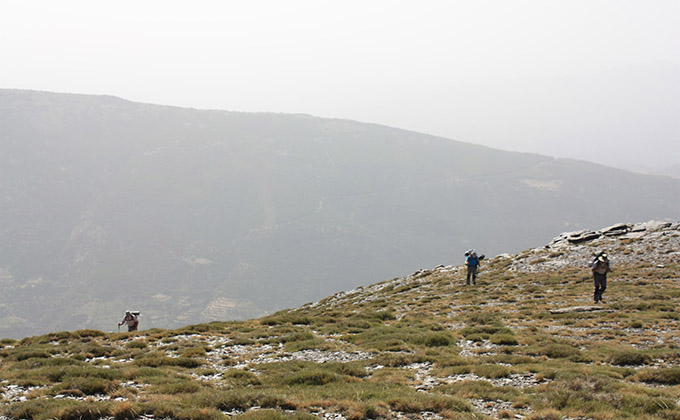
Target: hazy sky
596 80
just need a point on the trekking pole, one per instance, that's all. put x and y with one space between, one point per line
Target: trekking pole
118 327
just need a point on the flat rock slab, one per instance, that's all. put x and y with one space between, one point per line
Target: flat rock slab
573 309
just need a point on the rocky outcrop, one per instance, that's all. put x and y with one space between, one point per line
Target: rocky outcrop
620 229
658 242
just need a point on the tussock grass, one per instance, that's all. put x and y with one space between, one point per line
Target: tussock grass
237 399
274 415
137 344
155 361
57 409
479 390
240 377
285 318
545 415
87 385
193 352
125 410
559 351
629 358
313 377
668 376
402 336
502 339
179 387
25 354
400 359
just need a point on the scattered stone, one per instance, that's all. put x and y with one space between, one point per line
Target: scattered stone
477 348
317 356
518 380
333 416
492 408
574 309
425 415
233 413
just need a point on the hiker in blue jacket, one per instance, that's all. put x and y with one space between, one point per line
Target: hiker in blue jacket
472 263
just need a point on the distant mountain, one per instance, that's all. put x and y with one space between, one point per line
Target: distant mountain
194 215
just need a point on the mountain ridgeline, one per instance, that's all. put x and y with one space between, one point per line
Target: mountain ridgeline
198 215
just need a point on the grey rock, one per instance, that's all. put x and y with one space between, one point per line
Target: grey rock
574 309
583 236
615 230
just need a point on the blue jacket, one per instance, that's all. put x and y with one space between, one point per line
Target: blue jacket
472 261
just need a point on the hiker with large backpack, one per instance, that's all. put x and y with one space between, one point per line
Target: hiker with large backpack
131 319
472 263
600 267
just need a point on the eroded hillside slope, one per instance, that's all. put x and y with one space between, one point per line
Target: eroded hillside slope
525 342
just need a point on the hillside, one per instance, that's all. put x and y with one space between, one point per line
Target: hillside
524 343
199 215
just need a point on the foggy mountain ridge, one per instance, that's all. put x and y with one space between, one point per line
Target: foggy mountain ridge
197 215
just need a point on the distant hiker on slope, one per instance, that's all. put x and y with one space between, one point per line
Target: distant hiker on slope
600 268
472 263
131 319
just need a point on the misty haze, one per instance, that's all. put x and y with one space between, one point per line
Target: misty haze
223 161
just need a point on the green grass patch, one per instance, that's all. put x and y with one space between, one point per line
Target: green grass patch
665 376
560 351
240 377
485 331
156 360
47 409
88 385
274 415
502 339
402 337
312 377
629 358
137 344
286 318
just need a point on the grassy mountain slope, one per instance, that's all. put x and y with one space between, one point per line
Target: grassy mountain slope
423 346
192 216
